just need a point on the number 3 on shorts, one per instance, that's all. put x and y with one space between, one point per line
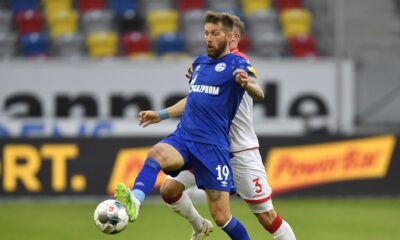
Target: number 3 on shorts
257 185
224 170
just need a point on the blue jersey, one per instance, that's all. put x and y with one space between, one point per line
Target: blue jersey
213 99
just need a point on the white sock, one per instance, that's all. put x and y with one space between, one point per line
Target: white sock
284 232
184 207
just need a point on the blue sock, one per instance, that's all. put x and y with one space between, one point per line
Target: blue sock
146 179
236 230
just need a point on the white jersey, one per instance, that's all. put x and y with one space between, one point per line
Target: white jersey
241 134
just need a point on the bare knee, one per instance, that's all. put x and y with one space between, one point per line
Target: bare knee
171 190
221 217
266 218
167 156
156 154
219 206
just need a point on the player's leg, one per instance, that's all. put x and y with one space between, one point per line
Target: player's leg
173 193
218 203
211 165
274 224
251 183
161 156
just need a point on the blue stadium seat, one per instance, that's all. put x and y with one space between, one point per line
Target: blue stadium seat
170 43
121 6
34 44
22 5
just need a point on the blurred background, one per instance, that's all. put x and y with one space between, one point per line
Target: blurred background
75 73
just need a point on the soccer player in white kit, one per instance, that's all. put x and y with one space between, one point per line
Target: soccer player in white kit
247 166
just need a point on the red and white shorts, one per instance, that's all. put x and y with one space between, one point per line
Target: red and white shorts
251 180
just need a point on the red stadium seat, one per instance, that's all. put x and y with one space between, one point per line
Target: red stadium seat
87 5
135 43
30 21
185 5
303 45
285 4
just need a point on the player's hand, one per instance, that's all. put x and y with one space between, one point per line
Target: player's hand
189 73
242 77
148 117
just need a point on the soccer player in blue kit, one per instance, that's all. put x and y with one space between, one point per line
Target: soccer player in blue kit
247 167
201 138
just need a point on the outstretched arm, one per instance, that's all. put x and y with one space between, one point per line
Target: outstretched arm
151 117
249 84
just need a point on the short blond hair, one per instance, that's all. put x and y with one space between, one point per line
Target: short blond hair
237 22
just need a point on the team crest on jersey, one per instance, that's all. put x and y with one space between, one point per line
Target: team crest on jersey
220 67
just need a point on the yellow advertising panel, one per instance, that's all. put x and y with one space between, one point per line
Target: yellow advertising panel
127 166
290 168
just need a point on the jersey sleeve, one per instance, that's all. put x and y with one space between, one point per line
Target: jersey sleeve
246 66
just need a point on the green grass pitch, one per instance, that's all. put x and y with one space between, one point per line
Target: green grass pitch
311 219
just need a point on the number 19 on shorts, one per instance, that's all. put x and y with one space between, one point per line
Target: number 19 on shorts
223 173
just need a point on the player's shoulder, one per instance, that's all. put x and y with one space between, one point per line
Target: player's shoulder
203 58
244 56
239 61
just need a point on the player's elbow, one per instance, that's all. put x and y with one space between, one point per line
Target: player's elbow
258 96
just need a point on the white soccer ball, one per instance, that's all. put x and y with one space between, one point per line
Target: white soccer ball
110 216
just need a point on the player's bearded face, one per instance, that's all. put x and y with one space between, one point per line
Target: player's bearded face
216 40
216 50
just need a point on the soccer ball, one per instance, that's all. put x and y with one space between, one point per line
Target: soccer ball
110 216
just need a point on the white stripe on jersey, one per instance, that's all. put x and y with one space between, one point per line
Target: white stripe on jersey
241 134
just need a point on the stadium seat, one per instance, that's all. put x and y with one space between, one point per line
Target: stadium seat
68 45
170 43
53 6
262 21
135 43
88 5
120 7
34 45
102 44
185 5
303 45
97 21
269 44
5 20
162 22
251 6
295 21
63 22
152 5
195 43
226 5
7 44
287 4
130 21
192 22
30 21
22 5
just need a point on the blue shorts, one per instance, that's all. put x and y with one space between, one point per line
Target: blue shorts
210 163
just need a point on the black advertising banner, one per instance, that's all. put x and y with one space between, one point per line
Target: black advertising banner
304 166
68 166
